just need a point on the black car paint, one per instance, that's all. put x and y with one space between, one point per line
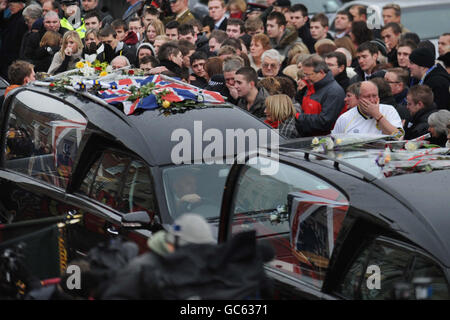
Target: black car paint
108 127
377 207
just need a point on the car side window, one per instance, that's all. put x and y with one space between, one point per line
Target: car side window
395 264
121 182
42 137
299 213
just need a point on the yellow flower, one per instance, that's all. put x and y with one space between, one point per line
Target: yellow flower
103 73
79 65
166 104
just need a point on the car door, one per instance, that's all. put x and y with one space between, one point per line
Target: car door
115 183
40 142
298 213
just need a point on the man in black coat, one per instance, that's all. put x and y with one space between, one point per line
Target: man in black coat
337 63
216 18
170 56
424 69
12 31
420 105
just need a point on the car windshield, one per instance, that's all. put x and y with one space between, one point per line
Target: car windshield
196 188
316 6
433 20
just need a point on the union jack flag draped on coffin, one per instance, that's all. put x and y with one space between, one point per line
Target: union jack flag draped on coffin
120 92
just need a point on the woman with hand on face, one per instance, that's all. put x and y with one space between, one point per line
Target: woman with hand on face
70 53
259 44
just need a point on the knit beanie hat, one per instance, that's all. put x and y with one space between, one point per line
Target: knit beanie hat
422 57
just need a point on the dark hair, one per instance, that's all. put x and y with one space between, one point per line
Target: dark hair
107 31
362 10
151 59
394 26
422 93
150 10
407 43
346 13
299 7
119 23
249 74
322 18
235 43
279 17
198 55
91 14
340 57
287 86
168 49
213 66
186 46
219 35
237 22
18 71
384 89
370 46
402 75
134 19
410 36
185 29
172 25
361 32
325 48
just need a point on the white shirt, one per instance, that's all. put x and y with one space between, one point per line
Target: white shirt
353 121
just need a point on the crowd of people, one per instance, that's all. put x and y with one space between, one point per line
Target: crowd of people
272 59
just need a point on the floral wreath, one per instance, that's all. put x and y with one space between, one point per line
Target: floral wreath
160 94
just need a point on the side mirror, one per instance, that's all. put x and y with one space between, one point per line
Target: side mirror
136 220
140 220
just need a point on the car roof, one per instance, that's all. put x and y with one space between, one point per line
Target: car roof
149 133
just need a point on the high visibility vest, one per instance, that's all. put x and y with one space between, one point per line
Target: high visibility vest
81 29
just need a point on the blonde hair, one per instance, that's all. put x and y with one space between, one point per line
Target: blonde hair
240 4
50 39
162 37
158 25
75 37
296 49
291 71
280 107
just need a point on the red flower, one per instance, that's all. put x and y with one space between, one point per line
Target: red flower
131 72
98 68
52 84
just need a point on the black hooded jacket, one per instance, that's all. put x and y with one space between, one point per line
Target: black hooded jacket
232 270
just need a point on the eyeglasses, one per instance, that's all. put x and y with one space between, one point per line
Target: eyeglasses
269 65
